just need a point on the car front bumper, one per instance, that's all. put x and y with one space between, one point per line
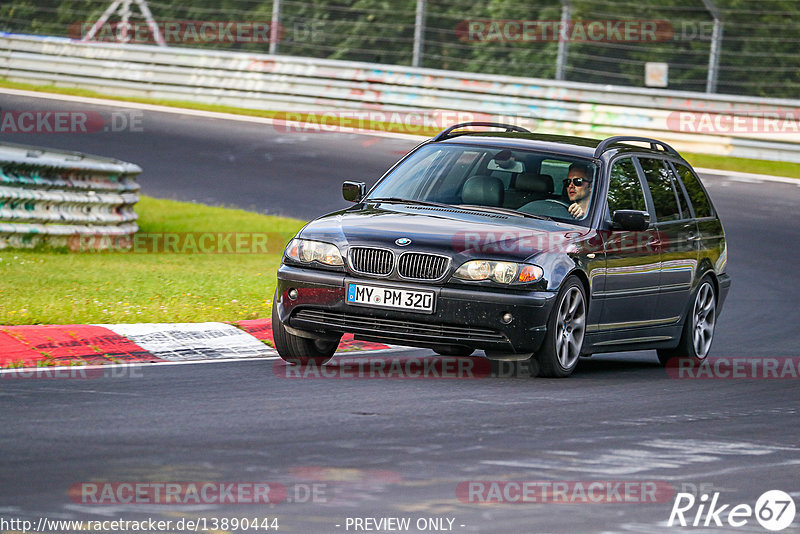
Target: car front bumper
469 316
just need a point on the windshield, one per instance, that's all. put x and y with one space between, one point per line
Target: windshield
526 182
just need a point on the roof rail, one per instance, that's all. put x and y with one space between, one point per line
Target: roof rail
605 144
444 134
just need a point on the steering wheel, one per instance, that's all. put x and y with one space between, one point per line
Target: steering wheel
548 207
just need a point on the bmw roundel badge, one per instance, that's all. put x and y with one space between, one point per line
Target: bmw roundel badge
403 241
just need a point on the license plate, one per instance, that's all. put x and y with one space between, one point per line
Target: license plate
390 297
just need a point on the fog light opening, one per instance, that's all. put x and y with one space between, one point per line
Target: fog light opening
292 294
507 318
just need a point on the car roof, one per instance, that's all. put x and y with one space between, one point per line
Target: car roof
565 145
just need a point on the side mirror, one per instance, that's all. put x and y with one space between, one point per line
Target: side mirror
354 191
631 220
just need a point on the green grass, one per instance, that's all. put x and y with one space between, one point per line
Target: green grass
757 166
727 163
61 287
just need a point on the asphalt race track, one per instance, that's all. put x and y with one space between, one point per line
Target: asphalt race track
348 449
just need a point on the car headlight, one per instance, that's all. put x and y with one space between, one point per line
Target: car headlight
306 251
503 272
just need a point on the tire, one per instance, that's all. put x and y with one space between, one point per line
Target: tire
453 350
298 350
566 328
698 328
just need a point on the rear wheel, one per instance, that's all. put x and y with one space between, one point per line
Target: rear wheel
566 328
698 329
299 350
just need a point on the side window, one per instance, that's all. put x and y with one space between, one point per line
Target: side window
659 181
700 202
624 190
678 191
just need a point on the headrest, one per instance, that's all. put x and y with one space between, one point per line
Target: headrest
483 191
546 178
534 183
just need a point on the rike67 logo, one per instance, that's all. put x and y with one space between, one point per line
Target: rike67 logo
774 510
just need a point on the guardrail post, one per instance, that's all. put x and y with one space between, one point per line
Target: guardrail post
561 59
419 34
716 47
274 30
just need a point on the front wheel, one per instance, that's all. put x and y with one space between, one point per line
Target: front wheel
566 327
299 350
698 329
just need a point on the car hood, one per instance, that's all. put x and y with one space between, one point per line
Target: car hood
454 232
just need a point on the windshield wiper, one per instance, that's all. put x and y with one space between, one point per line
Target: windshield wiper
509 211
398 200
476 207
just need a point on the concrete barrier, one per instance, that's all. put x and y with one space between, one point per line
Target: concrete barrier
50 196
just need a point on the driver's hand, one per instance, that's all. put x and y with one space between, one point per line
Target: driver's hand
575 210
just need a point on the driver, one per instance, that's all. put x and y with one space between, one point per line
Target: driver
579 188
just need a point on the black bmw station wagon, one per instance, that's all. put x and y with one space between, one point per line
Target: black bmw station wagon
518 244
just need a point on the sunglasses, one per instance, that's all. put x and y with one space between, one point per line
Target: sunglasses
578 182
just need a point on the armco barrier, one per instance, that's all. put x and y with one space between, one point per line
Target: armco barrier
715 124
46 196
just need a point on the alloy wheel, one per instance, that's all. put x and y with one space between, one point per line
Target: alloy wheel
570 328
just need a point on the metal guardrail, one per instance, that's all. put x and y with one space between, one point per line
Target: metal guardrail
274 82
50 197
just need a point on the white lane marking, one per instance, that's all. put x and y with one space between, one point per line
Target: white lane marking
188 111
669 454
56 368
745 180
188 341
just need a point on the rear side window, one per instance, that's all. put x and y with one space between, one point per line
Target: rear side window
659 180
624 190
678 191
700 202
